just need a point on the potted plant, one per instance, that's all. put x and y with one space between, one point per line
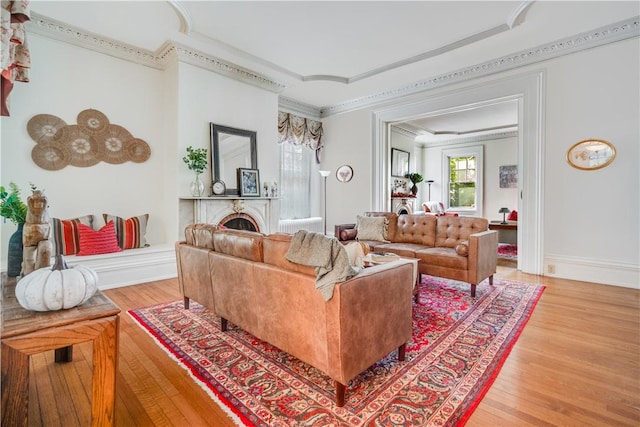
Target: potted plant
15 210
196 160
415 178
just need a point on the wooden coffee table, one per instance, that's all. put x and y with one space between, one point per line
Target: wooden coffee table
25 332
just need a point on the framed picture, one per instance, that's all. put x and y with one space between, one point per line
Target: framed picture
509 176
249 182
344 173
399 162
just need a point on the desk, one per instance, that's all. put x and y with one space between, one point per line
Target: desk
507 233
25 332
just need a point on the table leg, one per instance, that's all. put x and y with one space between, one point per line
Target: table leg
105 367
64 354
15 387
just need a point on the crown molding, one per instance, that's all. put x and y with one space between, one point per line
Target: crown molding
228 69
171 51
60 31
622 30
468 139
289 105
159 60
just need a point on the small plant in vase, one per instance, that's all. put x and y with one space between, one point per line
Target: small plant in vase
15 210
415 178
196 160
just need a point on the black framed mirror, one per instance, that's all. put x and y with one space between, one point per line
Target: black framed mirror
399 162
232 148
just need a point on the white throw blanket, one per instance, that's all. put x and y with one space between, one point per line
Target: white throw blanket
326 254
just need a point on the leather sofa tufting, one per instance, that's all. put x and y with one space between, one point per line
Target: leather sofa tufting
453 247
245 279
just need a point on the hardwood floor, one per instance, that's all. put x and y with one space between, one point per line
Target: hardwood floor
577 363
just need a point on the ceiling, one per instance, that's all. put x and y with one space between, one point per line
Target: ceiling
330 53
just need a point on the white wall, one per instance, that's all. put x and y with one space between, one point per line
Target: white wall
169 109
590 94
66 80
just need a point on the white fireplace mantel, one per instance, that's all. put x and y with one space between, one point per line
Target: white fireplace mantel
212 210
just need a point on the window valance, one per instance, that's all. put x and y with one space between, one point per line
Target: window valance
300 131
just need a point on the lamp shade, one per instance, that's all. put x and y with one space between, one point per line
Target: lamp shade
324 173
504 210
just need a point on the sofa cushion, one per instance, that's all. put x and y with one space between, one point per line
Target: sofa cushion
442 257
239 243
275 247
453 230
200 235
403 249
66 238
416 228
372 228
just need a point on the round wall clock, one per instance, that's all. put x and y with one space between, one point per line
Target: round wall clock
344 173
218 188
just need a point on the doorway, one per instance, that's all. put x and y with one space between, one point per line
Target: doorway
527 90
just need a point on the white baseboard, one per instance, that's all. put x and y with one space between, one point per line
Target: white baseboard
130 267
595 271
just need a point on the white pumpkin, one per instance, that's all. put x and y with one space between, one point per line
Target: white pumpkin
49 289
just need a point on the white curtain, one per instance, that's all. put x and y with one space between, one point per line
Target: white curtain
295 181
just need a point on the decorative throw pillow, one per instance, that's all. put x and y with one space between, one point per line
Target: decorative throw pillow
94 242
131 232
462 249
64 232
355 253
372 228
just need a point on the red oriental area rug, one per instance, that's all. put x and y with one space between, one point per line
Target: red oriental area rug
508 251
459 344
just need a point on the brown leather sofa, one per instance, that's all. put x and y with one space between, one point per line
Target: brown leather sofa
244 278
453 247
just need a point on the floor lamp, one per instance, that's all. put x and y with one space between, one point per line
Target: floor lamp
430 182
325 174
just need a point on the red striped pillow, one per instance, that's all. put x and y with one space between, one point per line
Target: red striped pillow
94 242
66 240
131 232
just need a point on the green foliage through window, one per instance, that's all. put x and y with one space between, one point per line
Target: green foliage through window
462 182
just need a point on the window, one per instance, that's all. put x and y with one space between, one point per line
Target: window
295 181
462 182
464 179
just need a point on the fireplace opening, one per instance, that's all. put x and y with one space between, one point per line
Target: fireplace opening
240 221
240 224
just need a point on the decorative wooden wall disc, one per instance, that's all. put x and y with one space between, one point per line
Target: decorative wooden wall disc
92 140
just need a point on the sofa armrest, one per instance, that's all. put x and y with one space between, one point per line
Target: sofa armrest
369 316
483 255
345 232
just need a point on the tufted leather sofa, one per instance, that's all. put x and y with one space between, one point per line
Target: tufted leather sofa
244 278
453 247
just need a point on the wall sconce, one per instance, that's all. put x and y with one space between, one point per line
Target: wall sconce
504 211
325 174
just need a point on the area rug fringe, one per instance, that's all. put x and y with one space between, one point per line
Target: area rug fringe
229 411
457 350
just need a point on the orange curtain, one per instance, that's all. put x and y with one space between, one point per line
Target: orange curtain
14 51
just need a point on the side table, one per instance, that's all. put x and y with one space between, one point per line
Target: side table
25 332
